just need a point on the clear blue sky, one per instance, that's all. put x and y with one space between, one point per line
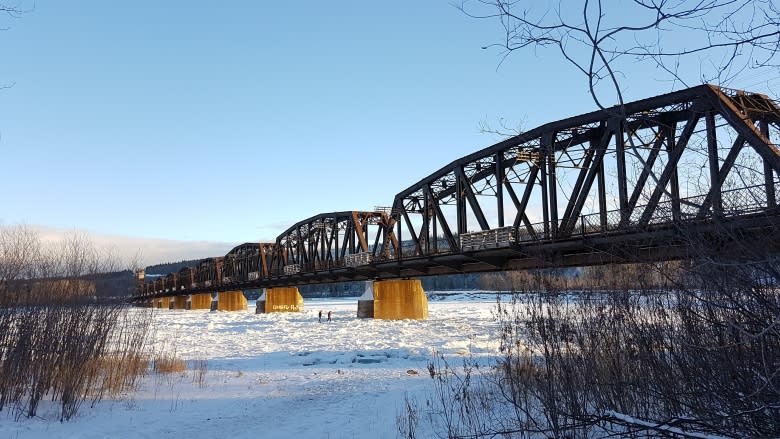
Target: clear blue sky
230 121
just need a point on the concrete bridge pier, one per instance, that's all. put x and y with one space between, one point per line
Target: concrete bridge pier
162 302
231 301
179 302
199 301
394 300
286 299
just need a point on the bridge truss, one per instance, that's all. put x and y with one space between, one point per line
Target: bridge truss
651 180
616 185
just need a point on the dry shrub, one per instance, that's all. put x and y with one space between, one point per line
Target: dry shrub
200 368
696 358
169 363
118 374
57 340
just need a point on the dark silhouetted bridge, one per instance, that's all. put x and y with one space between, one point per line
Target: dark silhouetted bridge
692 172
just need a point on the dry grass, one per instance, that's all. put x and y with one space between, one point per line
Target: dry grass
118 373
199 370
169 363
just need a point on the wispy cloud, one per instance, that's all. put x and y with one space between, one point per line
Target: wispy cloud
148 251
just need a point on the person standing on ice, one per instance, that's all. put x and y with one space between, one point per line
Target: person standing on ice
319 319
328 315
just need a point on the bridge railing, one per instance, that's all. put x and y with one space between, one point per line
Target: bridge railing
734 203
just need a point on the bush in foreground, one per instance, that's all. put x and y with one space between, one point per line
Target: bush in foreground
696 357
57 340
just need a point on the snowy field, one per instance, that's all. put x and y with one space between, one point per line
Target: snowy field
283 375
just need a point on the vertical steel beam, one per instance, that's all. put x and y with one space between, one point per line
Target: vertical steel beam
548 140
399 249
712 155
499 171
460 200
620 157
674 179
545 199
769 180
435 205
324 245
602 190
426 225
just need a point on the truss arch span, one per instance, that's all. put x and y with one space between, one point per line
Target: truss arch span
680 156
334 240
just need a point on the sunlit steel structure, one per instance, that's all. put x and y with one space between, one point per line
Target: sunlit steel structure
689 172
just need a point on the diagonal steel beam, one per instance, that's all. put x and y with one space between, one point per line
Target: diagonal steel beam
443 222
647 170
728 163
472 199
671 166
593 170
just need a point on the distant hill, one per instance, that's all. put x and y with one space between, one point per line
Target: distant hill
114 284
170 267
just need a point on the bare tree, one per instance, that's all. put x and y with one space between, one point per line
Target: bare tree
691 41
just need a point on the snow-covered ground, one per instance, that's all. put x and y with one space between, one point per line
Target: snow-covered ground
283 375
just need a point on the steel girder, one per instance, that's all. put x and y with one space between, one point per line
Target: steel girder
247 262
331 240
208 272
187 277
704 152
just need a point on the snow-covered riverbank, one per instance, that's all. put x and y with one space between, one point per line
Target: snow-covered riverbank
283 375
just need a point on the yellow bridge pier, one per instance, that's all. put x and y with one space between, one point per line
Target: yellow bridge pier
179 302
395 300
231 301
162 302
199 301
287 299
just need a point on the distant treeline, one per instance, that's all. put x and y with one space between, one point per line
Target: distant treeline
114 284
170 267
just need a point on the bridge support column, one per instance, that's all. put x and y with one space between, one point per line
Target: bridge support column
180 302
200 301
164 302
231 301
398 299
286 299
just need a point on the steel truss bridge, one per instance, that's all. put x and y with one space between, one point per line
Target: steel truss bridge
693 172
